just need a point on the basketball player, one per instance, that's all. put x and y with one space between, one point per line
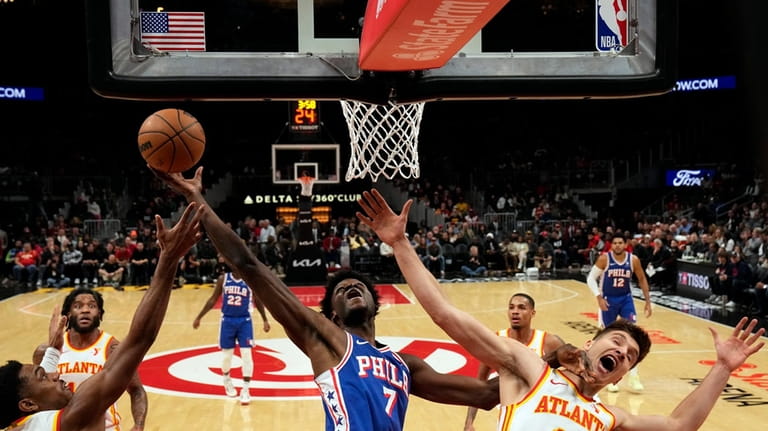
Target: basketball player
237 302
33 398
520 312
86 348
614 294
535 396
365 385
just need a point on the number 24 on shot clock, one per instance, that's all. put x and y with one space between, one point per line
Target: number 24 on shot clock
305 116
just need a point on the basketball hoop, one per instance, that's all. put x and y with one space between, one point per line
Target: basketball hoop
383 138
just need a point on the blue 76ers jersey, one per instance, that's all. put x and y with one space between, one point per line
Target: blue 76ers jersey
617 277
236 297
368 390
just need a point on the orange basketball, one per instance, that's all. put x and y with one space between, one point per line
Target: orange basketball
171 140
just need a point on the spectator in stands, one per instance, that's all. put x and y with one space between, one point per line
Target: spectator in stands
559 252
46 256
738 279
752 247
518 250
266 230
72 259
54 273
492 251
208 257
331 245
10 255
419 245
658 266
643 249
542 260
189 268
476 265
25 268
141 266
123 253
90 264
93 208
388 263
111 272
274 257
758 293
358 245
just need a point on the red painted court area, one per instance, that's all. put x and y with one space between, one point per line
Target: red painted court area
311 295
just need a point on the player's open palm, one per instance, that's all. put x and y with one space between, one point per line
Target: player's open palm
179 184
733 351
389 227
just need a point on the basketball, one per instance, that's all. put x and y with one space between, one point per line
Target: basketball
171 140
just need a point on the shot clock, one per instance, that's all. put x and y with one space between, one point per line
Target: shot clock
304 116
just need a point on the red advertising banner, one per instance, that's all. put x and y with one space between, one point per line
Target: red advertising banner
402 35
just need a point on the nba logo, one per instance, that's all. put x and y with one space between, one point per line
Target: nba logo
611 25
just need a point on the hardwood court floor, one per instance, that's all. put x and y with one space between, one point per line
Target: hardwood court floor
182 372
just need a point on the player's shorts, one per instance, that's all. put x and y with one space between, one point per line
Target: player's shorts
235 329
622 305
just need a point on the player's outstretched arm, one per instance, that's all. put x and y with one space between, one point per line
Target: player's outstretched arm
594 274
304 326
482 343
694 409
450 389
104 388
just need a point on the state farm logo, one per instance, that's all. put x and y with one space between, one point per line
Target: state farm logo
281 370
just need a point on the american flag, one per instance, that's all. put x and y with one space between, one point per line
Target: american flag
173 31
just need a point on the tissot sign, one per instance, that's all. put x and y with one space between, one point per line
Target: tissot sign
281 370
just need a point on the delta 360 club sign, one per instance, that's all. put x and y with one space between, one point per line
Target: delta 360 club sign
281 370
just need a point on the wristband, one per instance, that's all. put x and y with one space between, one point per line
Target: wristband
50 360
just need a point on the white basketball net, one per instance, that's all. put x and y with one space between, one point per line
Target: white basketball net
383 138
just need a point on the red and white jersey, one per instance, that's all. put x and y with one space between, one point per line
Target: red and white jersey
76 365
41 421
555 403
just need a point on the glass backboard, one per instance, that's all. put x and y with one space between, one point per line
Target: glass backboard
297 49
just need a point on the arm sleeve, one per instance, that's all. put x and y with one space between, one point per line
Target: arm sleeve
594 274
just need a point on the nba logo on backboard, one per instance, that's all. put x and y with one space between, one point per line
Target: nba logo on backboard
612 25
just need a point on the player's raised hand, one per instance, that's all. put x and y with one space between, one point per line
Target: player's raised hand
389 227
183 186
177 241
56 328
733 351
572 359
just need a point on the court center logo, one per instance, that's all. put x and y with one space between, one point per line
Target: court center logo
281 370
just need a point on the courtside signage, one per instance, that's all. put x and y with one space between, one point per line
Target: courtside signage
689 177
403 35
611 25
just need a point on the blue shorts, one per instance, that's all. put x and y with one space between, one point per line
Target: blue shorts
623 306
235 329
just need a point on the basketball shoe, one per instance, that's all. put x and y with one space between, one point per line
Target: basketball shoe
245 396
612 388
229 388
634 384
